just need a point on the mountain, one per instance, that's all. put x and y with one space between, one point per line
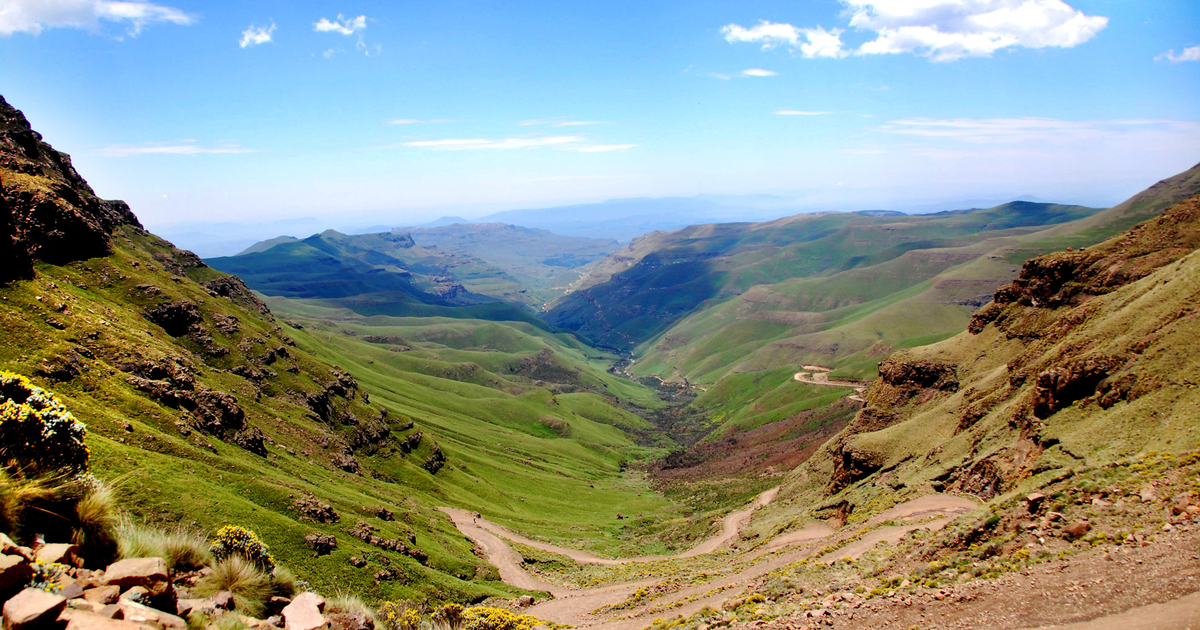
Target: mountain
640 291
1084 361
204 407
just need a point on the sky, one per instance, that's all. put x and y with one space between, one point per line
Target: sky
259 111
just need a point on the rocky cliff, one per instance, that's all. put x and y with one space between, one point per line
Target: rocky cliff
48 211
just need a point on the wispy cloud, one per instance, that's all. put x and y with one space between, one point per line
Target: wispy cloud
758 72
254 36
1020 130
941 30
799 112
345 26
561 122
122 150
1188 54
34 16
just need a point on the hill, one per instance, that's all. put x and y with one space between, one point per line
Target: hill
205 409
643 289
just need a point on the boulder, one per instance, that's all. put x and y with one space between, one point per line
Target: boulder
1181 503
185 607
1147 494
1034 501
7 546
1078 530
14 573
83 620
62 553
102 594
135 594
222 600
304 613
141 614
149 573
350 621
32 609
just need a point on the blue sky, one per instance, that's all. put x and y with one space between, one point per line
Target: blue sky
412 110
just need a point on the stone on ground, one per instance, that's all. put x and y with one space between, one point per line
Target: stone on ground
31 609
304 613
149 573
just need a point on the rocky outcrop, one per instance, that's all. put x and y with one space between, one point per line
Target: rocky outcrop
176 318
48 211
233 289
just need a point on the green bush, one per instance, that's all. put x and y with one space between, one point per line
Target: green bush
37 433
250 585
235 540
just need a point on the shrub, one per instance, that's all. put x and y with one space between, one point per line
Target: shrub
251 587
350 603
234 540
488 618
47 576
62 508
284 583
36 430
399 616
449 616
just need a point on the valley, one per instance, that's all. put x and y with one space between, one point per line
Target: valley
818 419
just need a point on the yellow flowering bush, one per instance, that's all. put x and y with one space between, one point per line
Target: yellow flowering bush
450 615
37 430
488 618
47 576
237 540
399 616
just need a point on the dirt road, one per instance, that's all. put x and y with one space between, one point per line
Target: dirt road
817 375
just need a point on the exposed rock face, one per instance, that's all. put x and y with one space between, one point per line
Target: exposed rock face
48 212
236 291
176 318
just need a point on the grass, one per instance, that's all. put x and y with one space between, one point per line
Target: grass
251 587
183 548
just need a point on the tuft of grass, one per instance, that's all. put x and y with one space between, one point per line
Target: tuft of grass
283 582
251 587
181 547
95 527
345 602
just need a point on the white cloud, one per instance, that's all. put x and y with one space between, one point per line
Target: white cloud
121 150
942 30
758 72
34 16
798 112
1188 54
254 36
811 42
345 26
1023 130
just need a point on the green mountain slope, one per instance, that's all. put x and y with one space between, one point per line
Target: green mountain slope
204 409
1088 357
642 290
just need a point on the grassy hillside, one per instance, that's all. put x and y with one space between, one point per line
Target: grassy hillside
642 290
1085 359
205 409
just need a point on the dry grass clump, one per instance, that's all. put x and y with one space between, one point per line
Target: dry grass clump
181 547
251 586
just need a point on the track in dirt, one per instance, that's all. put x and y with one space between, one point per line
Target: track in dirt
817 375
577 607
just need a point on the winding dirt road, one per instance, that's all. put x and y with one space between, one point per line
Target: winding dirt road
578 607
817 375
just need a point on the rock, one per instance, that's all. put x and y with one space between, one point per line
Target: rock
1181 503
1034 501
185 607
304 613
275 607
357 562
111 611
149 573
323 545
61 553
14 573
350 621
141 614
1098 502
31 609
222 601
275 621
1147 494
7 546
1078 530
525 601
1193 509
103 594
135 594
83 620
71 590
